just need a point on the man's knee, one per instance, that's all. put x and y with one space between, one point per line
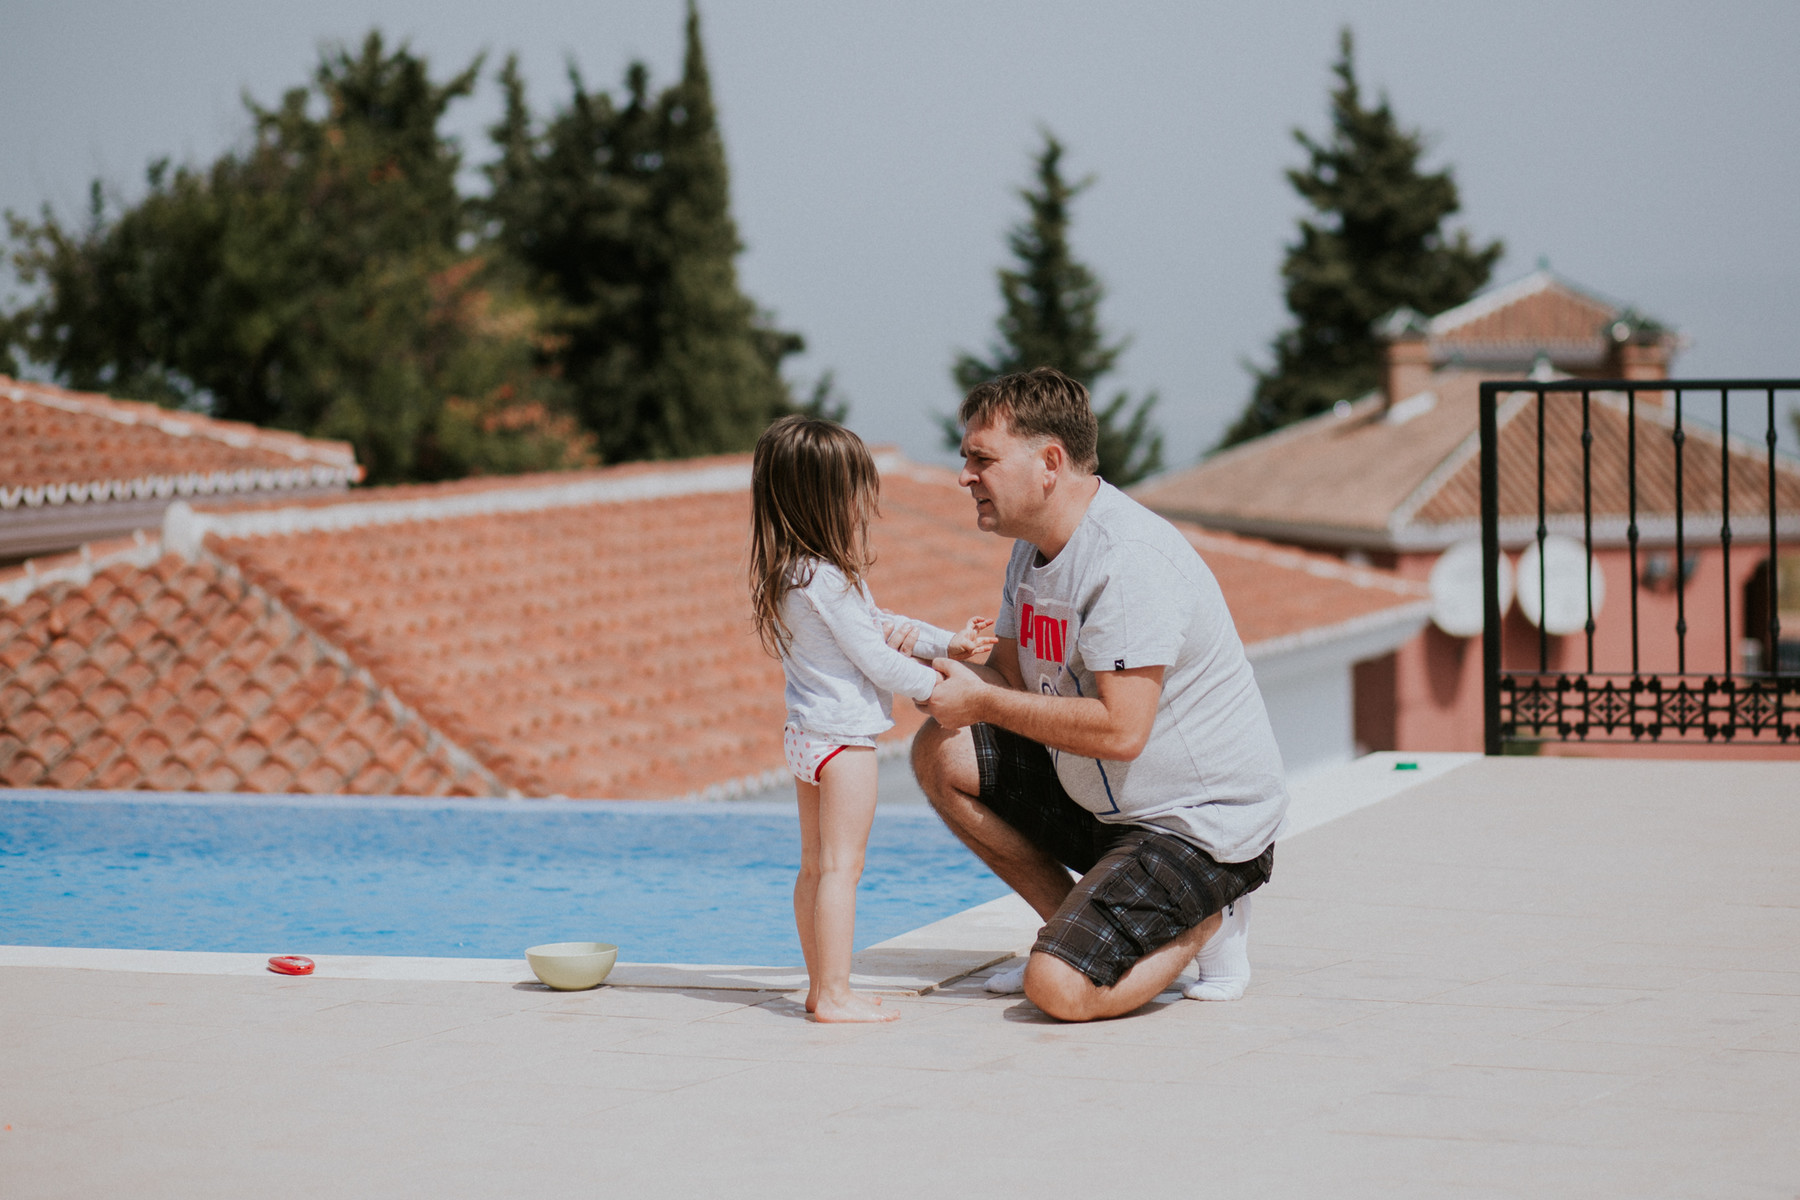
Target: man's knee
943 761
1059 989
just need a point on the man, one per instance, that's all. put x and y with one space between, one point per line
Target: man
1117 730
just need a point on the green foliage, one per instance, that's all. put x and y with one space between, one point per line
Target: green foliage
1376 244
312 281
329 278
1051 317
621 211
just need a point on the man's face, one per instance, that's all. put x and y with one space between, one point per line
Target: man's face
1005 474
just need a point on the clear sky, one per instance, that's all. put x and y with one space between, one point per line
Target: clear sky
1649 150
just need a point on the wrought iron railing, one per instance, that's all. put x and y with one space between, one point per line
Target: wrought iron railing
1545 446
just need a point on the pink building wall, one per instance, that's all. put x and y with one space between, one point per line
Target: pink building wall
1427 695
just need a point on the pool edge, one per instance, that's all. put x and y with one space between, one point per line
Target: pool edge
914 963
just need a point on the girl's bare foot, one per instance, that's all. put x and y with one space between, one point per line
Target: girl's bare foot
853 1008
812 1001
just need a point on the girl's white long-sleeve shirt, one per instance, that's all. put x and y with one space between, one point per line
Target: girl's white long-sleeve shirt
841 673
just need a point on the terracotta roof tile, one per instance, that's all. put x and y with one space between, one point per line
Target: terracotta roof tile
149 693
1458 497
1278 594
1347 473
1538 314
1360 479
51 436
77 467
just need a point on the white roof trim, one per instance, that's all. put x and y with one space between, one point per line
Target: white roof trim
167 487
184 529
141 553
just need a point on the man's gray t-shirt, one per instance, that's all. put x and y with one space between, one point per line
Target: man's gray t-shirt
1129 591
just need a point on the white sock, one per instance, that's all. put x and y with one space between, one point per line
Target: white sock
1224 961
1007 982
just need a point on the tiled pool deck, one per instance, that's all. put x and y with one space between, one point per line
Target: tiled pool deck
1521 977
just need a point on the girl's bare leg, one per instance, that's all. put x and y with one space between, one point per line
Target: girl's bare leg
846 809
806 886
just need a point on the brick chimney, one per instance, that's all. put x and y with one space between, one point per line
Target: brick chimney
1641 349
1644 360
1406 357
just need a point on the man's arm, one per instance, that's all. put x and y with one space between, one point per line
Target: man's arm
1114 725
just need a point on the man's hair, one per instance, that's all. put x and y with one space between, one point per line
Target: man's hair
1041 403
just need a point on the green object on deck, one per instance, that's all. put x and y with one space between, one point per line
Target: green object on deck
1406 766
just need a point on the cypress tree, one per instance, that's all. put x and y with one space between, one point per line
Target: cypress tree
1376 243
623 212
1051 317
715 373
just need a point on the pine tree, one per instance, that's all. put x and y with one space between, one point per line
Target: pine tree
623 212
1051 318
1375 244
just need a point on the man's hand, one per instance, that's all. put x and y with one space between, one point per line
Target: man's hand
1114 725
977 637
958 697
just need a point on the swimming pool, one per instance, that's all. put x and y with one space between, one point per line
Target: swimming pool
704 883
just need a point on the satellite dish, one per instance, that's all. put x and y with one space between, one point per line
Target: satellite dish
1566 574
1456 597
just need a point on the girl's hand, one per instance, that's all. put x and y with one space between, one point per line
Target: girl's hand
977 637
901 637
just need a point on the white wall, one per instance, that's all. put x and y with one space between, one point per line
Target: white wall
1313 715
1309 687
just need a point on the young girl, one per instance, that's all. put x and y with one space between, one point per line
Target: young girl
814 490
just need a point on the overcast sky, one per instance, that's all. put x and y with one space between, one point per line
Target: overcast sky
1650 151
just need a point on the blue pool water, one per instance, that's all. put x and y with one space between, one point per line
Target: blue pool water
476 879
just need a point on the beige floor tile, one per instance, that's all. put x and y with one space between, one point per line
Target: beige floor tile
1685 1019
1588 971
1481 1021
1783 1037
1556 1088
1388 1043
84 1041
1565 1054
1677 1137
656 1004
1361 980
790 1041
1511 992
1464 1118
1754 983
1748 1082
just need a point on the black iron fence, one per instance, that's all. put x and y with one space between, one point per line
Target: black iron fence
1618 473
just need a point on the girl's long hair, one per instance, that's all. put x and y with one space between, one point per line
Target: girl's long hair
813 491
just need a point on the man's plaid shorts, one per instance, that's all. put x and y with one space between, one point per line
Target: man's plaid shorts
1140 887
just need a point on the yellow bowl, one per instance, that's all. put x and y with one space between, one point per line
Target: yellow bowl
572 966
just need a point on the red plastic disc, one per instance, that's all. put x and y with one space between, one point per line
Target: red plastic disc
291 964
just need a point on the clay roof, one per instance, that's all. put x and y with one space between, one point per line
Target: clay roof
1706 458
1410 477
585 634
1281 597
1540 314
61 447
181 676
1343 474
